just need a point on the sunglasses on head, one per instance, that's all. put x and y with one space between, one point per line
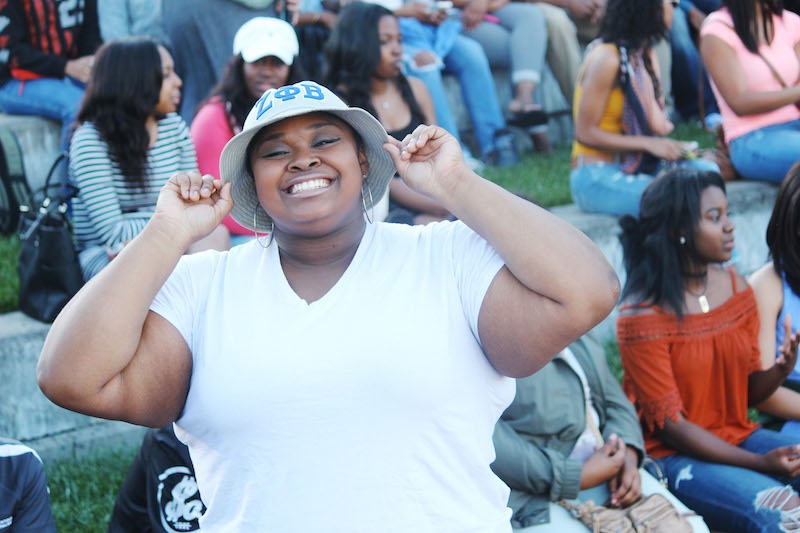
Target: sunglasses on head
675 3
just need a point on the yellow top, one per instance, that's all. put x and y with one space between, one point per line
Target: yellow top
612 115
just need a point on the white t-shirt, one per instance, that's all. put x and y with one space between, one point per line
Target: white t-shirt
371 409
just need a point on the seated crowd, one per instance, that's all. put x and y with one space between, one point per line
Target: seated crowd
699 346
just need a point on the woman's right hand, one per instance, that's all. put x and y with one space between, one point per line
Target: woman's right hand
783 461
604 463
193 204
668 149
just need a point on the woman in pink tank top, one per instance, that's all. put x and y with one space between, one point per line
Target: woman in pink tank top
750 48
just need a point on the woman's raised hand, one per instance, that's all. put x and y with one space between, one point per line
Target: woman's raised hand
193 204
429 160
787 357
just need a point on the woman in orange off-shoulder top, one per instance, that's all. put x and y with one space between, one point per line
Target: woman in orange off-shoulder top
688 337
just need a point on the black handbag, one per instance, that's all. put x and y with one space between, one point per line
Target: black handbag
49 272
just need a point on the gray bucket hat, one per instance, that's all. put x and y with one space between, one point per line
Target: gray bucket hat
292 100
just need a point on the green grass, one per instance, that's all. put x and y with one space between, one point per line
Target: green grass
82 492
9 281
543 179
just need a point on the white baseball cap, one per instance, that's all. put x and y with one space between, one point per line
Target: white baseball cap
266 36
290 101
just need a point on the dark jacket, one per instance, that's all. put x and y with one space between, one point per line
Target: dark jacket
38 37
536 434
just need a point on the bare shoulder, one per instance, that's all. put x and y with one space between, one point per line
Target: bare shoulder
418 87
766 279
420 91
601 66
768 288
604 57
741 281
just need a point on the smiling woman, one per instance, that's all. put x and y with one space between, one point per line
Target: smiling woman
371 358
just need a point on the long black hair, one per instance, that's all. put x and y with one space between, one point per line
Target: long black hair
656 261
783 240
121 95
743 13
637 26
233 89
353 53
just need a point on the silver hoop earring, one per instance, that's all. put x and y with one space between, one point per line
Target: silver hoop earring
682 240
363 201
255 231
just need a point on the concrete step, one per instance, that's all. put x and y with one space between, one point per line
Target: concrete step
27 415
39 141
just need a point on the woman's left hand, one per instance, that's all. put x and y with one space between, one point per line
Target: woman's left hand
429 160
787 357
472 14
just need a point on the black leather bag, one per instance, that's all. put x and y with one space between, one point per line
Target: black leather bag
49 272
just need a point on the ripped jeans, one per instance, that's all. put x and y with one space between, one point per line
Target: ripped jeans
734 499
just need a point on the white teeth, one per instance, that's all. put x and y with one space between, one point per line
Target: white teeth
309 185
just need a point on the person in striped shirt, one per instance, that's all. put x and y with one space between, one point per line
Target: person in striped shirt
129 141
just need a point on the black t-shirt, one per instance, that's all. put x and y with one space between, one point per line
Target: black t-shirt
159 494
24 498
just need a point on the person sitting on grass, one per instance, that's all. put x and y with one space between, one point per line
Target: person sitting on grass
552 446
620 122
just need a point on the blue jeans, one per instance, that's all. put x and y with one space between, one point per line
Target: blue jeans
606 188
767 153
686 69
468 62
731 498
54 98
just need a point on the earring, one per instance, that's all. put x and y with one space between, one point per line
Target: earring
255 231
682 240
363 201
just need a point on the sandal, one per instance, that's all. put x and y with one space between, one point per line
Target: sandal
527 119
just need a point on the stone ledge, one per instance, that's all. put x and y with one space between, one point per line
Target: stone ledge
39 141
84 441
